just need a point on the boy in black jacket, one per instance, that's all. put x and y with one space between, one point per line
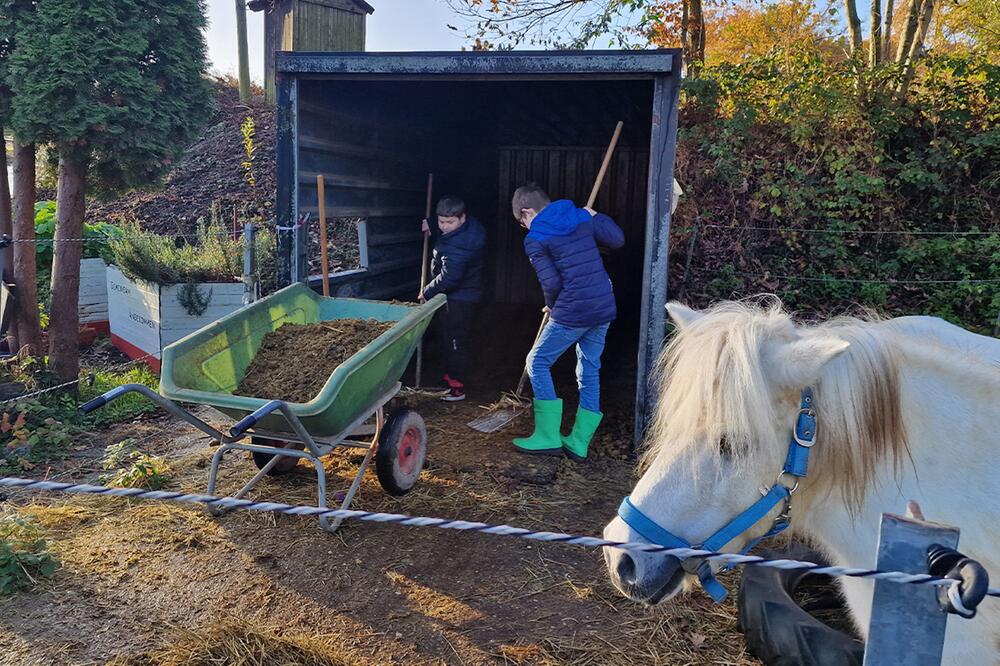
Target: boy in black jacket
457 272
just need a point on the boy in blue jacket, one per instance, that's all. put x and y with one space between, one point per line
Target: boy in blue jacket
562 244
457 271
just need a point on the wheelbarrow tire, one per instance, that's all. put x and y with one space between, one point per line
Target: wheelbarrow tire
402 450
283 466
777 630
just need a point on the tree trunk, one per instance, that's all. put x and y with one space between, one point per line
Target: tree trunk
887 31
29 332
685 33
854 25
909 30
916 47
64 317
875 39
243 50
696 31
6 213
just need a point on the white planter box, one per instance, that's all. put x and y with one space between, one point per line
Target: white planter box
147 317
94 294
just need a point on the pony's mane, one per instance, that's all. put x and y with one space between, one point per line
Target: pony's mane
713 386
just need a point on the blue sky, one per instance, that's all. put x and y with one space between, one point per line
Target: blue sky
396 25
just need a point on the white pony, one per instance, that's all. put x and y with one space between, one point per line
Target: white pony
907 408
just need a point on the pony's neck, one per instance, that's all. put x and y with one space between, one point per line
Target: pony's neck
949 389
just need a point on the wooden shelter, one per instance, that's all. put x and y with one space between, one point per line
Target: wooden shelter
375 124
310 25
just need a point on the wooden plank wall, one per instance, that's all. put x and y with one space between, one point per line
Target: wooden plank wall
319 27
374 163
568 173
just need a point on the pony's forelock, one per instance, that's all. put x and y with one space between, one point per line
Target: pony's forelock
713 384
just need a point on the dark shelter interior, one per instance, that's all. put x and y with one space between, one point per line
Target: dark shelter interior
376 141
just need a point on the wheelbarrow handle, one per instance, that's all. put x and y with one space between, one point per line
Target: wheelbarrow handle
152 395
104 399
250 420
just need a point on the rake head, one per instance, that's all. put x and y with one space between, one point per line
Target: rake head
500 414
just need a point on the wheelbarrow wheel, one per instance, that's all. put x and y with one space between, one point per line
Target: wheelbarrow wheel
283 466
402 449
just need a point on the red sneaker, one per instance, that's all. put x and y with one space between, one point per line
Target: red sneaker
456 394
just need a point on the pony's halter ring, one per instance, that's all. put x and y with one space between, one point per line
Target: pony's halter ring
796 466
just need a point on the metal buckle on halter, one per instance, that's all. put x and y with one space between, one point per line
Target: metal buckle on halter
807 443
777 482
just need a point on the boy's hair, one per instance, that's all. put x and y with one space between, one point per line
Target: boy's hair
529 196
450 206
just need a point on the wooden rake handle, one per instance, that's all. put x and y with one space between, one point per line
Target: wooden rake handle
524 374
608 154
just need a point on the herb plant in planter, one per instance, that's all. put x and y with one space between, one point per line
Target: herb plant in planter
161 289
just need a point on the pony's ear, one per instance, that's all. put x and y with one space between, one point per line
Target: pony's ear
799 363
682 315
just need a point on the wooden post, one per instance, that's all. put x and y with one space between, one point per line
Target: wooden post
243 49
249 265
324 260
423 274
907 625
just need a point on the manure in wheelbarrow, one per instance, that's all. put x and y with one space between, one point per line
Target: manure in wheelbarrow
294 362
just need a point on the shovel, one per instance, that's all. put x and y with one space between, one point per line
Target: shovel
509 407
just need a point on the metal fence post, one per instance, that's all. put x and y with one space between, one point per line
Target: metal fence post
907 624
249 265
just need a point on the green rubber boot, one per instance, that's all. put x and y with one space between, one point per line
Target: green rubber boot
546 440
578 441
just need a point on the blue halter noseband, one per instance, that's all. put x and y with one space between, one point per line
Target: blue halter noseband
796 465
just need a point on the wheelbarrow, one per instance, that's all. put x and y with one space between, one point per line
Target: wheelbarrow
205 368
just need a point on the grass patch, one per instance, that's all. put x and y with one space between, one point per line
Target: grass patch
124 408
239 642
24 555
38 429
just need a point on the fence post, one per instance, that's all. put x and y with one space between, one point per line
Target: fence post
907 625
249 265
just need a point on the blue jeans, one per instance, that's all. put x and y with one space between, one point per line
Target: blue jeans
552 343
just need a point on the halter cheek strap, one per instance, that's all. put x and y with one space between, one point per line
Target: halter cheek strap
796 465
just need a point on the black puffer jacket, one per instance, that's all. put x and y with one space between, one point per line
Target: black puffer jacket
457 266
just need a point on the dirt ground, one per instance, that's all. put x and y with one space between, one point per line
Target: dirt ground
158 583
295 361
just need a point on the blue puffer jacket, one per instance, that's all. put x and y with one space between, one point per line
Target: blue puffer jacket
562 246
457 265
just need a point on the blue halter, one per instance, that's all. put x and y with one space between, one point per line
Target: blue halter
796 465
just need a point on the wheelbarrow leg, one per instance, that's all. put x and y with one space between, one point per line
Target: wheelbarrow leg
325 521
214 472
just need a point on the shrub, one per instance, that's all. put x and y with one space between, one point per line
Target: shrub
24 556
45 229
791 143
130 468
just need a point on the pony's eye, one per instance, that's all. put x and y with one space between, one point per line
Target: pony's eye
725 448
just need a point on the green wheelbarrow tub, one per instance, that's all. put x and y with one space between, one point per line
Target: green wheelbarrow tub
207 366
